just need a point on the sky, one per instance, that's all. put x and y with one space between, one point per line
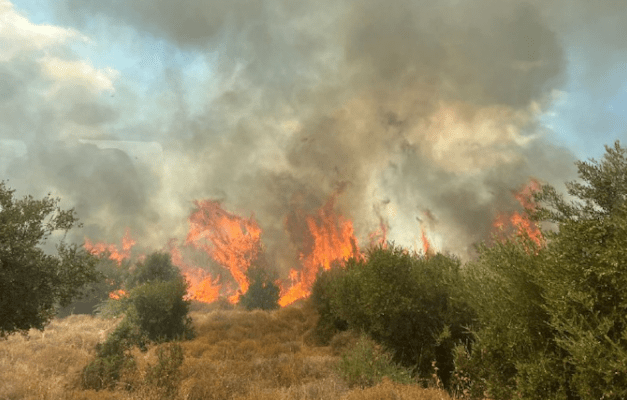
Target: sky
423 114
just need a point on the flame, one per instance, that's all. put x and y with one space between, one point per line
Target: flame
100 248
331 238
202 286
232 241
118 294
519 223
426 245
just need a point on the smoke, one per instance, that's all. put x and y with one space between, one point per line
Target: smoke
424 114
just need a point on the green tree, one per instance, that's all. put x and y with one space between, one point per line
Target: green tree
33 283
553 320
586 279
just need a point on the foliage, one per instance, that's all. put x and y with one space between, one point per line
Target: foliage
406 302
160 310
263 293
367 363
553 320
112 358
156 267
328 323
32 282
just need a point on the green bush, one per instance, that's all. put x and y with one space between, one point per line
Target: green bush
157 267
367 363
263 293
404 301
328 323
113 357
160 311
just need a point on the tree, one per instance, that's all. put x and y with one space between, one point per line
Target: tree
33 282
553 321
586 275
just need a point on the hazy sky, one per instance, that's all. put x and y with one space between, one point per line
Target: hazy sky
427 113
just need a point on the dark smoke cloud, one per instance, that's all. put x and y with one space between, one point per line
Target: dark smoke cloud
427 109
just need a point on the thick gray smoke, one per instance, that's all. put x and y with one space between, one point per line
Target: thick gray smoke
425 113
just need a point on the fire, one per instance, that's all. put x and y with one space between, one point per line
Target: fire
232 241
426 245
100 248
202 287
520 223
118 294
330 238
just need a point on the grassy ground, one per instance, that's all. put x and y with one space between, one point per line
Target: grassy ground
237 355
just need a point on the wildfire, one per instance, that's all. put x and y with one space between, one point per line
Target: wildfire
330 238
232 241
518 222
100 248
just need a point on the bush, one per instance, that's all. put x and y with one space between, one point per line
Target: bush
367 363
160 310
262 293
328 323
157 267
113 357
404 301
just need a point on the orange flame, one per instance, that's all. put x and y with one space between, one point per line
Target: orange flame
100 248
232 241
202 287
332 239
520 223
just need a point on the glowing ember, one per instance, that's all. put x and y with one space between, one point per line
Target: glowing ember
100 248
118 294
232 241
331 238
520 223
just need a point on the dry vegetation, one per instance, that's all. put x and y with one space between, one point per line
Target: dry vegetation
238 355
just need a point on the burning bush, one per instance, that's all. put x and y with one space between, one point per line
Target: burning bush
405 302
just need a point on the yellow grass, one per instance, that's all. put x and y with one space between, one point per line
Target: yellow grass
238 355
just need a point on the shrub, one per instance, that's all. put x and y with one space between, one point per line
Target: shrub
112 358
406 302
157 267
328 323
262 293
367 363
160 310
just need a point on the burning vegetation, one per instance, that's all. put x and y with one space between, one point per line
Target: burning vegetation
221 246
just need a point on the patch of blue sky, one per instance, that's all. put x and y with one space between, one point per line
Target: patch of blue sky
585 120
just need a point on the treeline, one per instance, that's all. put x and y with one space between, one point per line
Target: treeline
524 320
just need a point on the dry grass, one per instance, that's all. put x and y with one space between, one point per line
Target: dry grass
236 355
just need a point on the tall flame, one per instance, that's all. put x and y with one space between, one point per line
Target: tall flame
331 238
232 241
